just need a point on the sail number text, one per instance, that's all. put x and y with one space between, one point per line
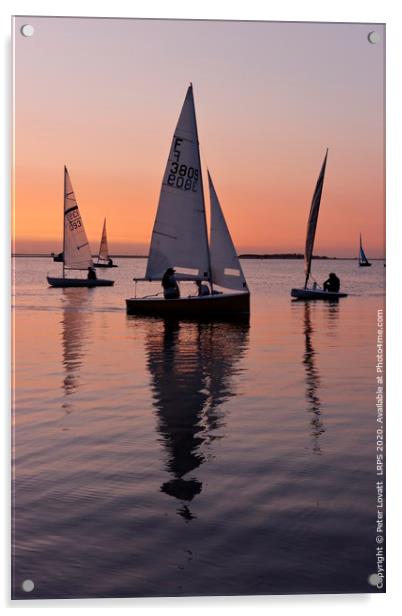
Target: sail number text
180 175
74 220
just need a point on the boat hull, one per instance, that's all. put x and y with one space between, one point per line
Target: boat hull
226 305
364 264
78 282
104 265
316 294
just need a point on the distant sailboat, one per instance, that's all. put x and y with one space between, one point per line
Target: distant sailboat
363 261
76 250
104 259
180 237
315 292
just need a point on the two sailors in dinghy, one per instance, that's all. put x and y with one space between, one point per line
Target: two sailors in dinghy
171 289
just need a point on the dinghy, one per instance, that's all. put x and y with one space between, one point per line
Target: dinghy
314 292
76 250
104 259
180 238
363 261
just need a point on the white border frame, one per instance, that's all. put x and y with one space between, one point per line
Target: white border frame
368 11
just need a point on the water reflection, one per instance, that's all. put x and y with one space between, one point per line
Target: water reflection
312 380
192 366
75 332
332 314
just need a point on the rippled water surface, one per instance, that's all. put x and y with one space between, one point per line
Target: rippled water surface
157 457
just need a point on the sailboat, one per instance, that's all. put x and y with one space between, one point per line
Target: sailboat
363 261
103 257
314 292
76 250
180 237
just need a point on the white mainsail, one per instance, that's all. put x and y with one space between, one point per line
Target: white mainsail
77 253
312 220
179 237
103 248
225 264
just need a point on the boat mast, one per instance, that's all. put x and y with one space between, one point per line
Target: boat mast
64 215
202 192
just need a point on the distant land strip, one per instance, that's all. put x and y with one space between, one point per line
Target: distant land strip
285 255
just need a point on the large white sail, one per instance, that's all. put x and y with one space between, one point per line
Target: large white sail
77 253
103 248
179 237
312 220
225 264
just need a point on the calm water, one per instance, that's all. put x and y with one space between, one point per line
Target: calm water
178 458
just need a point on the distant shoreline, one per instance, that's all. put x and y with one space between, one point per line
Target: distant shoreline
287 256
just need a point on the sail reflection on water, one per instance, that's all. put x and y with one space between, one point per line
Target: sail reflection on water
75 332
192 366
312 380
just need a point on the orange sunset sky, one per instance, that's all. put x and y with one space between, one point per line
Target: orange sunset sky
103 97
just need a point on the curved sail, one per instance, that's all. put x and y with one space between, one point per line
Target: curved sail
77 253
362 256
179 237
103 248
312 220
225 264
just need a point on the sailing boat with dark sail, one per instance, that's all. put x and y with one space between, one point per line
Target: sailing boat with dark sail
104 259
363 261
180 238
314 292
76 250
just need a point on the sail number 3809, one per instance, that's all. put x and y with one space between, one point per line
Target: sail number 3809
181 175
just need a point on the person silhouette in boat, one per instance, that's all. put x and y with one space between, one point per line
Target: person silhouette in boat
203 289
110 262
171 289
332 284
91 273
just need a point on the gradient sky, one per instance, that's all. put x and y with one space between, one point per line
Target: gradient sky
103 97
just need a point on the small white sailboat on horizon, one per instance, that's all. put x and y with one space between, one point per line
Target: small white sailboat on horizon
104 259
314 292
76 250
363 261
180 238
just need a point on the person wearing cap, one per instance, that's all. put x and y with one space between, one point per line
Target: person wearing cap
169 283
333 284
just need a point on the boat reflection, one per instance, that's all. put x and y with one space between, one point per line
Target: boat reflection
332 316
192 366
312 380
75 332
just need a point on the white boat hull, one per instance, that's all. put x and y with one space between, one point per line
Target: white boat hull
316 294
78 282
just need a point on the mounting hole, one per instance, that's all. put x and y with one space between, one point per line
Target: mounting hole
373 37
27 30
28 585
373 579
